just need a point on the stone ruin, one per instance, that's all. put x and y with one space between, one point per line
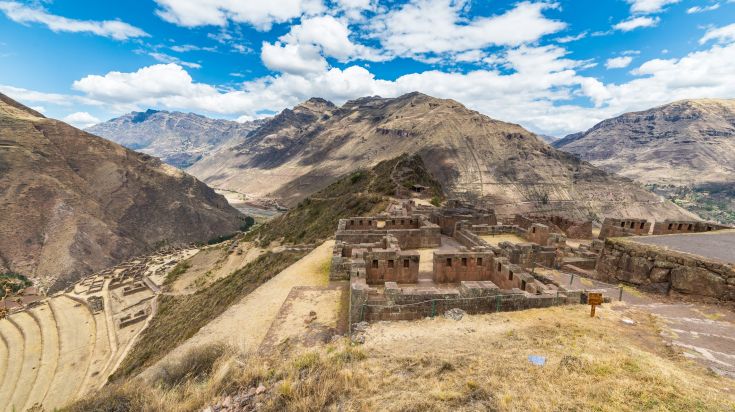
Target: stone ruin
382 256
622 227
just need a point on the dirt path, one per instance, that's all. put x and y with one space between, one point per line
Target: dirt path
245 324
704 332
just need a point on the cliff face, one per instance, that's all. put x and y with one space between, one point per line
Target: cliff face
179 139
473 156
73 203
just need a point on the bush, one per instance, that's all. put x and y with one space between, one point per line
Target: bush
247 224
436 201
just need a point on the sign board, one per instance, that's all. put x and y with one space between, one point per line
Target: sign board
594 298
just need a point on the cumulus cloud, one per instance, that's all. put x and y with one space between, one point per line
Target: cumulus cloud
81 120
618 62
114 29
725 34
261 14
649 6
293 58
636 22
331 36
440 26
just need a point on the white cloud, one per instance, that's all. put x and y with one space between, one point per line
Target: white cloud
636 22
81 120
332 36
293 58
569 39
649 6
538 88
702 9
261 14
183 48
25 95
439 26
725 34
114 29
618 62
165 58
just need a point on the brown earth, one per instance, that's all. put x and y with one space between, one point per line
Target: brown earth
73 203
473 156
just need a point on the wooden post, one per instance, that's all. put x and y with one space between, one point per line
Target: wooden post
594 299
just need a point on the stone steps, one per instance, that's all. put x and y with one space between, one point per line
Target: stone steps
31 361
13 340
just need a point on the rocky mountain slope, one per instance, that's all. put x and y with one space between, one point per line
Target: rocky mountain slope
73 203
179 139
684 148
473 156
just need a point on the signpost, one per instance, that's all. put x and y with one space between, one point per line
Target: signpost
594 299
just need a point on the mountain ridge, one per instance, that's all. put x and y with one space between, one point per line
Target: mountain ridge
475 157
178 138
74 203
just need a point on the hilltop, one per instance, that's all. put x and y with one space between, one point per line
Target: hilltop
474 157
74 203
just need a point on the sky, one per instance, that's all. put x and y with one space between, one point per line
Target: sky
555 67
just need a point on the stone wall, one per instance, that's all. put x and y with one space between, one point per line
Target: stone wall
454 267
664 270
668 227
391 266
538 234
612 227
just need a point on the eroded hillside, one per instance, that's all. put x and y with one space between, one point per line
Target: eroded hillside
73 203
473 156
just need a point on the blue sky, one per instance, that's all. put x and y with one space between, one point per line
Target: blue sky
555 67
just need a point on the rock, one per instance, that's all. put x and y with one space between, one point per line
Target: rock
454 314
628 321
358 338
697 281
660 274
227 402
360 327
260 389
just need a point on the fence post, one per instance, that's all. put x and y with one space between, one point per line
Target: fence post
621 294
571 280
433 308
497 303
362 312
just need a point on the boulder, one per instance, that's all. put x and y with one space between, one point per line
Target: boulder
697 281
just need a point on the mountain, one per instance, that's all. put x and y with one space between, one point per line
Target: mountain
685 150
179 139
548 139
474 157
73 203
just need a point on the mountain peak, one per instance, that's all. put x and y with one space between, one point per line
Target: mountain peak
10 103
316 104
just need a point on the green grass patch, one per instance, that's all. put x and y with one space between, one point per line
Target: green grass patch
176 272
14 282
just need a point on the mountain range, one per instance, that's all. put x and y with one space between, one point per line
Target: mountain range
73 203
474 157
179 139
684 150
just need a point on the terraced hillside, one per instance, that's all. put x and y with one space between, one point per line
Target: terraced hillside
53 353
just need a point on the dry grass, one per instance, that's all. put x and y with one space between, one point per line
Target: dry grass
478 363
